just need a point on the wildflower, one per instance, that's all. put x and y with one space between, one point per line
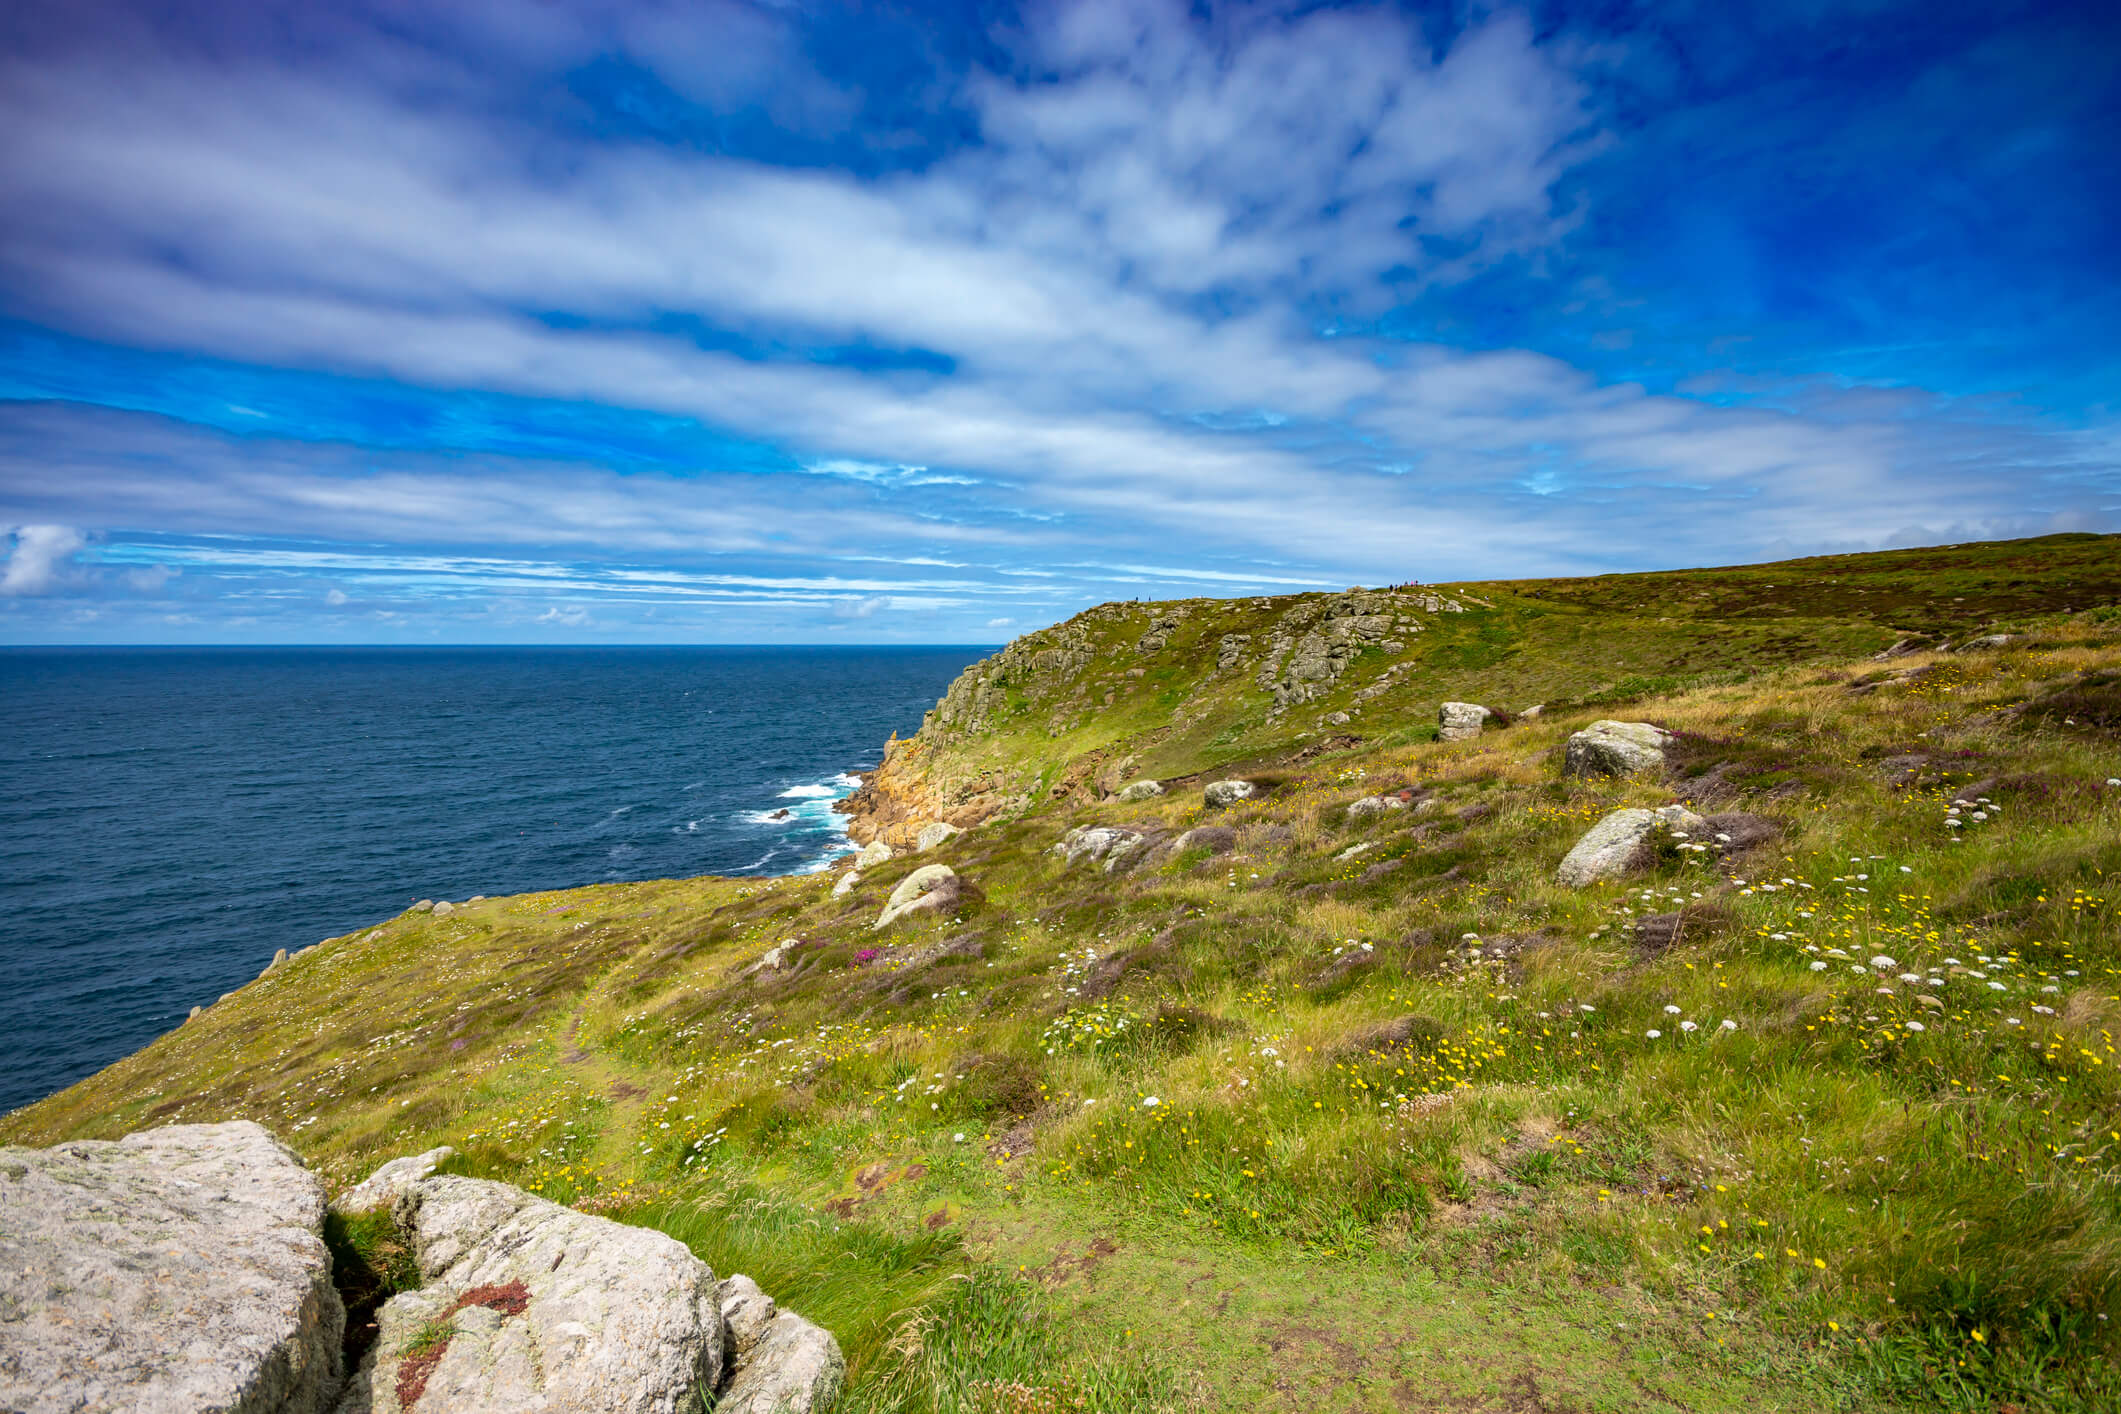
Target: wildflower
1820 1263
1729 1025
1883 963
1671 1011
1818 966
1653 1033
1150 1102
1912 1025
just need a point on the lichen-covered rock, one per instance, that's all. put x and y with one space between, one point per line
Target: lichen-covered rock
1222 793
846 883
932 888
1460 721
1615 749
1615 844
873 853
382 1188
1216 839
174 1270
1108 844
1374 805
780 1363
932 835
1141 790
527 1307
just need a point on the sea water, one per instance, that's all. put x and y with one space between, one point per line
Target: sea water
170 817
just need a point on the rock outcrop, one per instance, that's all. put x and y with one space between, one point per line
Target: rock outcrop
1615 749
1222 793
932 888
1106 844
527 1307
383 1188
174 1270
872 854
1460 721
1141 790
933 834
1617 843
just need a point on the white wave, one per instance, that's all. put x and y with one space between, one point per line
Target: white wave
807 792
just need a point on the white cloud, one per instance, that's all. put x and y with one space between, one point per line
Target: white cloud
38 551
335 597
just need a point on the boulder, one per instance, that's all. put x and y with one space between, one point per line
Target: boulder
1615 749
1222 793
1987 640
1537 709
444 908
174 1270
1460 721
1142 790
1217 839
846 883
873 853
933 888
539 1309
1614 844
1107 843
1374 805
425 905
381 1188
782 1363
933 834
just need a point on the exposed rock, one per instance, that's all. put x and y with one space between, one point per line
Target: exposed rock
1987 640
774 957
1142 790
872 854
194 1016
279 960
1108 843
1336 719
1916 643
382 1188
1221 793
1537 709
783 1364
552 1310
933 835
425 905
1160 631
1615 844
1218 839
1374 805
846 884
1230 651
932 888
1615 749
1460 721
174 1270
444 908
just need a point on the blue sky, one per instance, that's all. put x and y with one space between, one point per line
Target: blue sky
537 321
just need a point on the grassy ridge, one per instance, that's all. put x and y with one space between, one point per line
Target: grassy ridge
1359 1114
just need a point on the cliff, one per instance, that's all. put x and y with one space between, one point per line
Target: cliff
1737 1031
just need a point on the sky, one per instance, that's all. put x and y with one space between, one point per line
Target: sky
538 321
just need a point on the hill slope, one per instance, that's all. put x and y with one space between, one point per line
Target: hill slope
1333 1109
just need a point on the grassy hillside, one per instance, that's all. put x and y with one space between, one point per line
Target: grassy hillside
1352 1113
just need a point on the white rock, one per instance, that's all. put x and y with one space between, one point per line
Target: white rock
846 884
1142 790
381 1188
1374 805
781 1362
1615 749
1221 793
1107 843
444 908
932 887
932 835
604 1318
1460 721
873 853
1609 846
423 906
176 1270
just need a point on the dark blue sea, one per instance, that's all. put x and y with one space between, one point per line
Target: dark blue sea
169 817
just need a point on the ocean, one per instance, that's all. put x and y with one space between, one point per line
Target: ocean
170 817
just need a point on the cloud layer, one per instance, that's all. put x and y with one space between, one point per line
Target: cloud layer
1108 285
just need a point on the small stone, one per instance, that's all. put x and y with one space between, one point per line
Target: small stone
425 905
1374 805
1222 793
1142 790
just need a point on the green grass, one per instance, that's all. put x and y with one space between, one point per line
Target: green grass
1402 1175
